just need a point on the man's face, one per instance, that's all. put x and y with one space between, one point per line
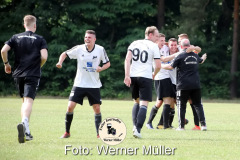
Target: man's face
161 42
89 39
179 40
172 46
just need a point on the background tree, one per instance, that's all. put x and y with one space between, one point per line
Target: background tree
234 60
209 23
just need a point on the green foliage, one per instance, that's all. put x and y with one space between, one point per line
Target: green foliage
117 23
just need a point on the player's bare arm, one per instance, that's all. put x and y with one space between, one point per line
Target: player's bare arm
62 57
157 67
167 66
44 56
169 58
195 49
127 79
4 54
204 57
104 67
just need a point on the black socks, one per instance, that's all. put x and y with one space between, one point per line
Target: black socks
135 113
68 121
141 117
152 114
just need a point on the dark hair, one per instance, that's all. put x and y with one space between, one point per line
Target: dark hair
172 39
91 32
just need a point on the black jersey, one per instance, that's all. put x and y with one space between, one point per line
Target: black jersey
26 47
187 71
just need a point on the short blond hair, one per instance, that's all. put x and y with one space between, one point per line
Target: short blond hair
150 29
161 35
183 35
29 20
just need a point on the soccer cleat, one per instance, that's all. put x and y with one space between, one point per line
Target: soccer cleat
196 128
21 135
160 127
204 128
65 135
149 126
136 134
29 137
134 127
167 128
180 129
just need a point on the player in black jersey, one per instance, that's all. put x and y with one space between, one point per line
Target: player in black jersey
188 83
31 53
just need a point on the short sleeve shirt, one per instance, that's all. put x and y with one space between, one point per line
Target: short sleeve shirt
87 63
187 71
26 47
143 54
163 73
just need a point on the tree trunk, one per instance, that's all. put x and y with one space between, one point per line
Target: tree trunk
160 18
233 87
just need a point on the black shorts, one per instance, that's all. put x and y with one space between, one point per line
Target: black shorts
184 95
175 90
164 88
27 86
141 88
77 94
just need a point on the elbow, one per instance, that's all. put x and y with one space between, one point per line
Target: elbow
108 64
158 66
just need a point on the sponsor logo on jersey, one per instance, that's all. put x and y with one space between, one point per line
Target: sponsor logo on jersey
89 64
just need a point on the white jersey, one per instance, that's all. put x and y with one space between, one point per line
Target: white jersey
87 63
143 54
173 75
163 73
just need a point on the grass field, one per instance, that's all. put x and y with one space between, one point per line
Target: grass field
220 142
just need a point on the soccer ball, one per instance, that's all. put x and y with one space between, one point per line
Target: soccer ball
186 121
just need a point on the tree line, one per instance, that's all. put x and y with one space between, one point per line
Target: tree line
210 24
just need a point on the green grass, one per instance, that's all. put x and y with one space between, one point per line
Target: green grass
221 141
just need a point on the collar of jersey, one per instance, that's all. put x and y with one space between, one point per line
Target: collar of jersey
91 50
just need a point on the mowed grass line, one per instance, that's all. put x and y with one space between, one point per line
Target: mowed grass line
221 141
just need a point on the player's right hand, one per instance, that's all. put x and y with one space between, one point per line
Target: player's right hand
127 81
8 69
58 65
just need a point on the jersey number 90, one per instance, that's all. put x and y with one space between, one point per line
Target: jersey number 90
142 56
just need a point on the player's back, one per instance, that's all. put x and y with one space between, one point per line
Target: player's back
143 54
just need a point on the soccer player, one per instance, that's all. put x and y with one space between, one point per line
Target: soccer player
140 57
163 86
196 50
188 83
31 53
87 81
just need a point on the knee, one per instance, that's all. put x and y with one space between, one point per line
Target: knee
159 103
96 109
70 108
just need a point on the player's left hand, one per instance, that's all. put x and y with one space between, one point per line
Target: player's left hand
99 69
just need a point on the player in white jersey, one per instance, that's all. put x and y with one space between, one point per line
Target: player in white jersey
87 81
163 86
138 75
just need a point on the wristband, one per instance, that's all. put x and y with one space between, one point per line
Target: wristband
6 62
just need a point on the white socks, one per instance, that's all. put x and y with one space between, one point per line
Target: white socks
25 121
